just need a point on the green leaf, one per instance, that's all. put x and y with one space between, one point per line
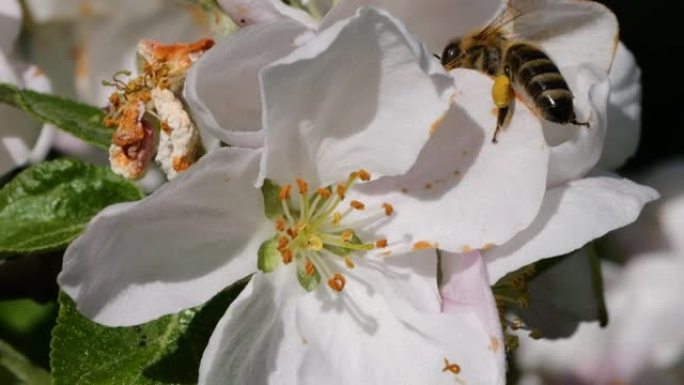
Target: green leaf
15 369
272 206
268 256
81 120
165 351
46 206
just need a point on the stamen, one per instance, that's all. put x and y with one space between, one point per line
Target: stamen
349 263
449 367
292 232
388 209
341 190
381 243
315 243
364 175
423 245
309 267
337 217
347 235
284 193
280 224
337 282
357 205
286 255
282 243
323 192
302 186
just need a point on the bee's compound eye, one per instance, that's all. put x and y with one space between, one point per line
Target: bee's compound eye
451 52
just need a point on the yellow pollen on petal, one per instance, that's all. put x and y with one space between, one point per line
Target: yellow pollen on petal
423 245
337 282
381 243
467 249
364 175
357 205
450 367
389 210
284 193
349 263
315 243
302 186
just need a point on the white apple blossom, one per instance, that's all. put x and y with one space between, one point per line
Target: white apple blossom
22 139
644 335
381 318
224 95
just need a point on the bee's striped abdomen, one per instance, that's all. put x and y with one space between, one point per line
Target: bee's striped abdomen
534 71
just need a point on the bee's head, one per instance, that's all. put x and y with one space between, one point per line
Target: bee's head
451 53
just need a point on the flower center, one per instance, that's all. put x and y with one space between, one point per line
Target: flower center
314 230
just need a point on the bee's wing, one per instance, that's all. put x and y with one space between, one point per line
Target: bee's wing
581 30
503 24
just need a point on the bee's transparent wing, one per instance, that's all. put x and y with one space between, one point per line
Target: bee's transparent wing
571 31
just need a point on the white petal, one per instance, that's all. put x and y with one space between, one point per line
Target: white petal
275 333
466 283
575 150
10 23
248 12
573 32
173 250
436 22
624 110
367 96
571 215
464 192
222 88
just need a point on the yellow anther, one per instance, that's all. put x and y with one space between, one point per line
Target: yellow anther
280 224
381 243
422 245
315 243
347 235
286 255
341 190
337 217
284 193
324 192
364 175
357 205
389 209
449 367
337 282
349 263
302 186
309 267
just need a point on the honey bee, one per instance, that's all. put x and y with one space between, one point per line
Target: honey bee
515 63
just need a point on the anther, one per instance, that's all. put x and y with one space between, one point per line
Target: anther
341 190
315 243
309 267
282 243
286 255
381 243
280 224
449 367
364 175
347 235
337 217
292 232
337 282
357 205
349 263
422 245
302 186
388 209
284 193
324 192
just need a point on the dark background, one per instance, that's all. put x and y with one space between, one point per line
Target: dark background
654 31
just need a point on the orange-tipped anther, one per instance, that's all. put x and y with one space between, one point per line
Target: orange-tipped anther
449 367
341 190
389 209
422 245
309 268
364 175
337 282
324 192
302 186
292 232
287 256
284 193
381 243
280 224
357 205
282 243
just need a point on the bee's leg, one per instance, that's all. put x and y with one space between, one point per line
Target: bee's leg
502 94
576 123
